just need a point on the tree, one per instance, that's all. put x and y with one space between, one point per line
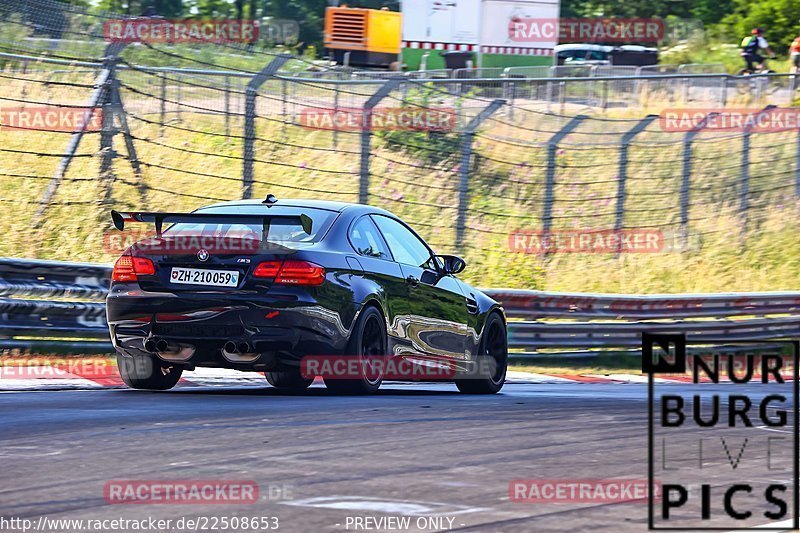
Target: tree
310 15
627 9
779 18
163 8
711 11
211 8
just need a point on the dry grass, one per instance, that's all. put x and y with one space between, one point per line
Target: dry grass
186 169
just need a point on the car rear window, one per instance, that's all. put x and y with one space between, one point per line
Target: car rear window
280 231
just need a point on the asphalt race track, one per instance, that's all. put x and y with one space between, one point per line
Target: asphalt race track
321 460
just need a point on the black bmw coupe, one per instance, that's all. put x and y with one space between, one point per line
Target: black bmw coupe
298 289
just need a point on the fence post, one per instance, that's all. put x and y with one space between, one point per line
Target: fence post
335 114
227 106
744 178
550 173
178 99
97 99
107 133
623 168
366 134
133 158
686 175
685 90
723 93
293 102
509 91
284 108
163 103
467 135
797 169
759 85
250 119
548 94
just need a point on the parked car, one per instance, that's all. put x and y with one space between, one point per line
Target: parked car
597 54
259 286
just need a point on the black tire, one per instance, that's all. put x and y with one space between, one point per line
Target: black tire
290 380
368 339
492 358
744 72
147 372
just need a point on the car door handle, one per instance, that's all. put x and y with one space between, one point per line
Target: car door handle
411 280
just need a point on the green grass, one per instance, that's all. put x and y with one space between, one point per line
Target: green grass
601 364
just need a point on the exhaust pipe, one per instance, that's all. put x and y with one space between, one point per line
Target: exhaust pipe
150 345
159 345
239 351
244 347
230 347
162 346
169 350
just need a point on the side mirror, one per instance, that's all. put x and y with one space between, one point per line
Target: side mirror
452 264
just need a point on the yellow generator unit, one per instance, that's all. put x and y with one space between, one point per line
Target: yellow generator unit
371 36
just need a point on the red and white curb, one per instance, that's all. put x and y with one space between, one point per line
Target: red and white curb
43 378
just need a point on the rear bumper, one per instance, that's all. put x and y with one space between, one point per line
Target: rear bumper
281 327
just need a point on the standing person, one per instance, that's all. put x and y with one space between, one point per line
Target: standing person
794 52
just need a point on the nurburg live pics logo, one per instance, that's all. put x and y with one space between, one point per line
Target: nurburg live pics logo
734 434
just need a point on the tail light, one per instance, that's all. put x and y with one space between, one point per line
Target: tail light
129 268
267 269
291 272
300 273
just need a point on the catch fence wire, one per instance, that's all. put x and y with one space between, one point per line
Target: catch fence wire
527 166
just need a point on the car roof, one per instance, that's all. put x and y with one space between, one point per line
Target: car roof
583 46
329 205
603 47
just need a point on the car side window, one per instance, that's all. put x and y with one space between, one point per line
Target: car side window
366 239
406 247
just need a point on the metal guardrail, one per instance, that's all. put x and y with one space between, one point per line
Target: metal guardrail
618 320
537 304
41 301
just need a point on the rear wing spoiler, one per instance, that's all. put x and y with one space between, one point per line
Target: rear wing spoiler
158 218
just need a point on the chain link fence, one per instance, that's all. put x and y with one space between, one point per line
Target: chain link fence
509 155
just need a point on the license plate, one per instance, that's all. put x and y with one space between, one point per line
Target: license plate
200 276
